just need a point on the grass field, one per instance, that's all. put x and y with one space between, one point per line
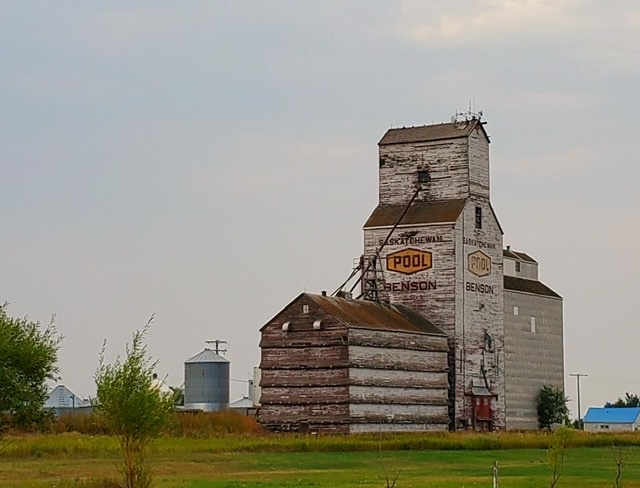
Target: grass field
65 461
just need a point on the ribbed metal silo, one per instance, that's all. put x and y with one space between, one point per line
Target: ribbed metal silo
206 382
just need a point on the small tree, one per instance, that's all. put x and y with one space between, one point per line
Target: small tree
131 407
556 452
619 455
28 356
552 406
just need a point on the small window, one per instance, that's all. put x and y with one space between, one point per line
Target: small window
478 217
515 311
305 309
533 325
517 266
423 176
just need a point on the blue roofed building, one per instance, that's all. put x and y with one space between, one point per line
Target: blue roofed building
602 419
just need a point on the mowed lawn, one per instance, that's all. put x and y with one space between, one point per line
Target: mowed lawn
180 467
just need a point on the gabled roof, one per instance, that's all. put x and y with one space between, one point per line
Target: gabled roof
434 132
524 285
603 415
207 356
367 314
521 256
419 213
63 397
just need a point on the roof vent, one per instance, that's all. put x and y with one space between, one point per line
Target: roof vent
345 294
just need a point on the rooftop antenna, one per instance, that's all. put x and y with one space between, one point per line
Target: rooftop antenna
218 349
461 119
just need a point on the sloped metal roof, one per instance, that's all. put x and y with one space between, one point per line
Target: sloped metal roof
508 253
63 397
434 132
244 402
418 213
513 283
602 415
374 315
207 356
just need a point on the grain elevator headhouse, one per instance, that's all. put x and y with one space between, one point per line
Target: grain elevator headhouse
444 256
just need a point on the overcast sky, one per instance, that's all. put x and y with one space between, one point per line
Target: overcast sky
207 161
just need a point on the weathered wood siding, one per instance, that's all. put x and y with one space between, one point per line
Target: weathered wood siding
303 357
401 379
305 395
396 395
397 378
417 342
481 301
437 302
445 160
305 377
304 371
430 426
467 306
396 359
479 179
311 417
387 413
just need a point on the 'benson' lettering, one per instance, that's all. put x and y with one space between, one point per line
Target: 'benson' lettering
480 288
411 286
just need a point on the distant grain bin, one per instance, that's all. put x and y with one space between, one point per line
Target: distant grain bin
206 380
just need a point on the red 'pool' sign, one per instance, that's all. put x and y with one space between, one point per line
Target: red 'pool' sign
409 261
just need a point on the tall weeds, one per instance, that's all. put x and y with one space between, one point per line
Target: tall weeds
195 436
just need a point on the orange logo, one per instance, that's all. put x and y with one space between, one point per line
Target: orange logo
479 263
409 261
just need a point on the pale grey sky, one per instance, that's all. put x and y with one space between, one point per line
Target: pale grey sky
207 161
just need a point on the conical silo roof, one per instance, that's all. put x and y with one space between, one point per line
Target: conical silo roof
207 356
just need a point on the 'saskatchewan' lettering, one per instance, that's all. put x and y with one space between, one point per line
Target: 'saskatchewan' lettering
481 244
407 241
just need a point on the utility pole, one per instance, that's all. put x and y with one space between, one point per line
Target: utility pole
578 376
218 342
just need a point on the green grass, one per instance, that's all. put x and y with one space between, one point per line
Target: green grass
449 460
584 467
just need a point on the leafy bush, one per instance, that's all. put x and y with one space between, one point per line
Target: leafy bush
132 408
552 407
28 355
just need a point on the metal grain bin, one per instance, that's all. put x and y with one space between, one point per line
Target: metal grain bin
206 382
